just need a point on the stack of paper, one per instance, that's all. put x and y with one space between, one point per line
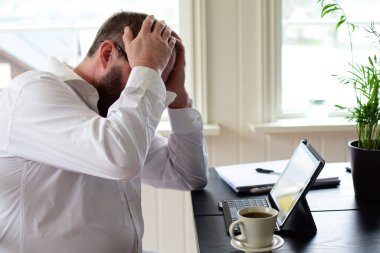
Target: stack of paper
244 177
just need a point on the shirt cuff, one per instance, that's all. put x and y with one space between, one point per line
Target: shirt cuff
147 78
185 121
170 97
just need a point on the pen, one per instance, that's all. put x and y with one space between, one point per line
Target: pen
261 170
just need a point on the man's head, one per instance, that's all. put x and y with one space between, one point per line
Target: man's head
113 28
106 65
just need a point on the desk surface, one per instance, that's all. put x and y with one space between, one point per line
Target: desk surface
344 223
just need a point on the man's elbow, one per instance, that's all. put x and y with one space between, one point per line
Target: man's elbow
199 183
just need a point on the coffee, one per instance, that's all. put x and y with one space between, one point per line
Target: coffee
257 215
258 226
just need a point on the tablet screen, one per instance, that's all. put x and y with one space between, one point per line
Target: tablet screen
293 181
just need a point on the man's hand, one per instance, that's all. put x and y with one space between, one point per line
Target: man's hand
176 80
152 47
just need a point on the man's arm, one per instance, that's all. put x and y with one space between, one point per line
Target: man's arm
176 80
52 125
180 161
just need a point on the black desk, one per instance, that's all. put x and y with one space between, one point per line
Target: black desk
344 223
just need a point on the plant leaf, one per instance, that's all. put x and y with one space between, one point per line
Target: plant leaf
341 21
329 8
340 107
353 27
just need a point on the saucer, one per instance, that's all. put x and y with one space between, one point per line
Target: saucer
277 243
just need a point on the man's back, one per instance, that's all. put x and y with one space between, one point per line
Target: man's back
45 209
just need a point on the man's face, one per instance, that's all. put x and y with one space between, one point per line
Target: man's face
109 89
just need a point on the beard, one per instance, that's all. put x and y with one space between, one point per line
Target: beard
109 89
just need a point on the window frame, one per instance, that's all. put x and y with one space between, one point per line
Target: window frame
192 25
274 106
271 59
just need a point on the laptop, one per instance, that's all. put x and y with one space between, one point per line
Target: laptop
287 196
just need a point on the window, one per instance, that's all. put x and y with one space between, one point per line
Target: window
31 31
313 51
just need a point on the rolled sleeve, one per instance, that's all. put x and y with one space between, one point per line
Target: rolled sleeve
185 121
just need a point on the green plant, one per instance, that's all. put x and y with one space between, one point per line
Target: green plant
365 80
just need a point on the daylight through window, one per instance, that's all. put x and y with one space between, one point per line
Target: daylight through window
313 51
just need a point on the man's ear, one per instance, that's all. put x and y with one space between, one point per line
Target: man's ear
105 53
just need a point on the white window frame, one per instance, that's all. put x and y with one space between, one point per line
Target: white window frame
193 31
271 36
271 59
273 88
272 121
192 26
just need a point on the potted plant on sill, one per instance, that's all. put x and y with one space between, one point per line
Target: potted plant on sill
365 81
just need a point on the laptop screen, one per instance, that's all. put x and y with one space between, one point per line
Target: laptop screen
293 181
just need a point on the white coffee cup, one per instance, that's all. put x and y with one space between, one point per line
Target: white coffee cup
257 226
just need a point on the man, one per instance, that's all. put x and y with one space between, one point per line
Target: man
75 144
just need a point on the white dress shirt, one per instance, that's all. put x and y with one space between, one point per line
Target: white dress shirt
70 180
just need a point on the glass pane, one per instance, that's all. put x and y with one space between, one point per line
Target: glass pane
313 51
31 31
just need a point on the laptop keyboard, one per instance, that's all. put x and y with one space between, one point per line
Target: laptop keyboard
233 207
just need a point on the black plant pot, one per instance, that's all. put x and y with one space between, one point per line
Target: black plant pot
365 166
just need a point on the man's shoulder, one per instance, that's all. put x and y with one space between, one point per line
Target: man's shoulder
34 77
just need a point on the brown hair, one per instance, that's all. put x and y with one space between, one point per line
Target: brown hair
113 29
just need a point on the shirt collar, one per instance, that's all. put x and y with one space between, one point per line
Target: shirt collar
66 74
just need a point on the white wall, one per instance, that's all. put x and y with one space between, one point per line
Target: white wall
237 76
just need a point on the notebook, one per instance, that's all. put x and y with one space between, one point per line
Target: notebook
287 196
244 178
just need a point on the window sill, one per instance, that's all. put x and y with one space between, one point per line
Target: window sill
208 129
331 124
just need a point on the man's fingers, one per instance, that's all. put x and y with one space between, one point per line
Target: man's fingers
152 47
176 36
161 27
166 33
147 24
172 41
157 27
128 35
